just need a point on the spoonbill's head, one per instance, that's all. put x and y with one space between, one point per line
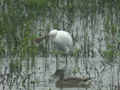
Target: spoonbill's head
52 34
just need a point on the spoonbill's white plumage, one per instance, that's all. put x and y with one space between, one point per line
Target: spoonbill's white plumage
62 39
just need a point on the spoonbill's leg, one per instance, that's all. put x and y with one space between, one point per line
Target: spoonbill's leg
57 62
66 59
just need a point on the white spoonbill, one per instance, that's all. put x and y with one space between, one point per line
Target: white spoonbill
62 39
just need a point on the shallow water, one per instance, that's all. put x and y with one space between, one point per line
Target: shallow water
101 75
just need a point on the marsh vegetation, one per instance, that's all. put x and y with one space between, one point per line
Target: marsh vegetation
95 29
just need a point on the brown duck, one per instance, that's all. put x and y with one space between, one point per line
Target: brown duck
71 82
